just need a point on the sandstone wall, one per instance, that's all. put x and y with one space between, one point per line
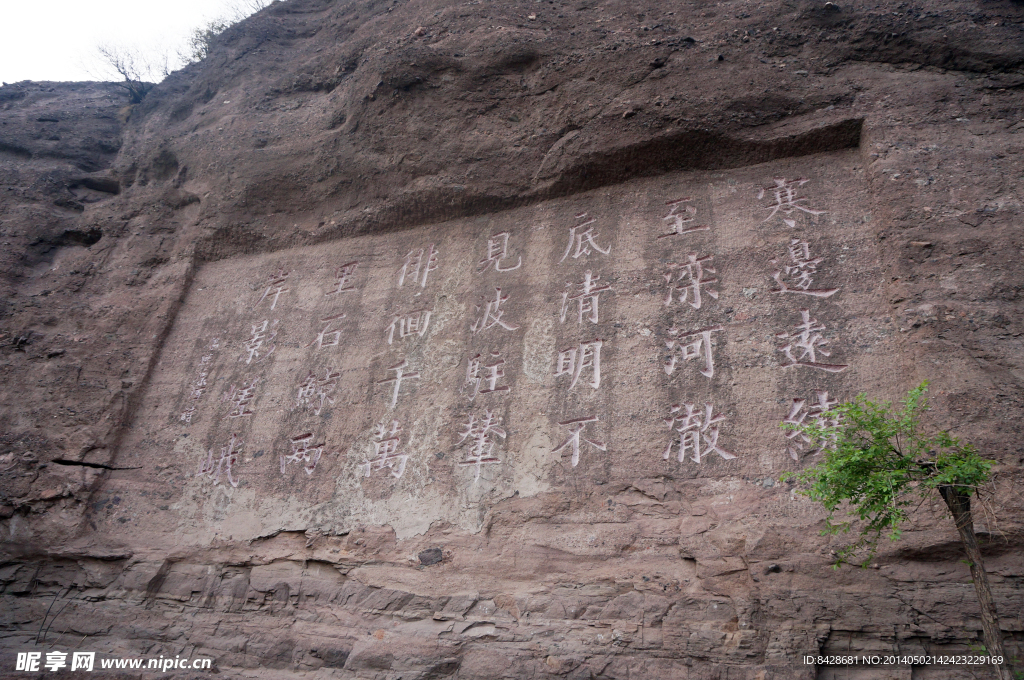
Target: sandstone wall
208 299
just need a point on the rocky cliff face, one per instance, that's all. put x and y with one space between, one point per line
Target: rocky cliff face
210 299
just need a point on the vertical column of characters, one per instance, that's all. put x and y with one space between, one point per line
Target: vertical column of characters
691 294
578 365
408 325
197 388
485 366
241 395
804 345
307 444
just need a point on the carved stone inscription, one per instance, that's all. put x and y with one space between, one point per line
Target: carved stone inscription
395 378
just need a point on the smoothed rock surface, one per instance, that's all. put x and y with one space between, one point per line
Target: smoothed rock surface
313 122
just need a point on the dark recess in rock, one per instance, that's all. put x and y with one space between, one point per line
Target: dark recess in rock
430 556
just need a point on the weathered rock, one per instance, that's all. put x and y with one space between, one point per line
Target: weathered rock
318 134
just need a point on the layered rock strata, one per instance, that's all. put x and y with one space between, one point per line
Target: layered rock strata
451 339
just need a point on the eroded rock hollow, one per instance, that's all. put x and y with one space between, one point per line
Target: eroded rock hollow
446 339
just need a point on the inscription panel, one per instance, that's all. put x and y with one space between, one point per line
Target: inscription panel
659 328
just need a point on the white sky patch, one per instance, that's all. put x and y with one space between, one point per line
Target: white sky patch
57 40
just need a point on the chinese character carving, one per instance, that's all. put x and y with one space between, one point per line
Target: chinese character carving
480 433
343 275
400 375
575 435
692 429
586 299
261 332
810 344
199 386
497 250
274 288
314 392
386 451
575 360
241 398
413 323
679 217
479 375
492 314
418 263
819 412
582 240
796 277
699 346
197 389
228 457
786 200
328 337
304 452
690 280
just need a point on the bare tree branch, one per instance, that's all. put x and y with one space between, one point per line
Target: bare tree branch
131 66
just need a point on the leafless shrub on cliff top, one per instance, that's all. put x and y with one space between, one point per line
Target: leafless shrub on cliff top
200 40
135 69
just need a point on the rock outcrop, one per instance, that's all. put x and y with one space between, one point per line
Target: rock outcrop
209 299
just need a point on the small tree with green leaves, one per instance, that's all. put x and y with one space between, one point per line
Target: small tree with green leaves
876 462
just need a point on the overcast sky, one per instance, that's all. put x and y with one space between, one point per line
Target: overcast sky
57 40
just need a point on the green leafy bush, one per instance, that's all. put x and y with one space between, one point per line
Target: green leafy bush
879 461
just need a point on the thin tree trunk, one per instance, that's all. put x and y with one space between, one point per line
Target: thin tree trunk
958 500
